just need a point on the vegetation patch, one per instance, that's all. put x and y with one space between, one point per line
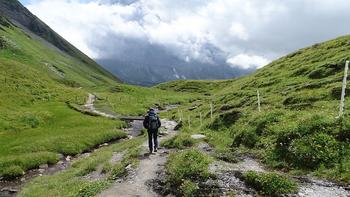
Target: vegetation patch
270 184
225 120
186 169
180 141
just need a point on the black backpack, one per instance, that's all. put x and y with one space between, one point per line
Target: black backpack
153 121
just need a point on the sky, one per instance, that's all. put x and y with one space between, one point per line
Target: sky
247 33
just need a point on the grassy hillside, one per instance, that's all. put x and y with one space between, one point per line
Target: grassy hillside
36 125
21 16
296 130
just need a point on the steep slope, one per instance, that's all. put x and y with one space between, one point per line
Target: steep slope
297 128
20 16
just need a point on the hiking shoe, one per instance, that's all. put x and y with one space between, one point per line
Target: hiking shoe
155 150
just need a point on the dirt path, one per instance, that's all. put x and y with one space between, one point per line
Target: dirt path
136 184
90 106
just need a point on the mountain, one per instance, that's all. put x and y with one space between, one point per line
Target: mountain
139 63
21 17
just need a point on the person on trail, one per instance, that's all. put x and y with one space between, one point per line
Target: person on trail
152 124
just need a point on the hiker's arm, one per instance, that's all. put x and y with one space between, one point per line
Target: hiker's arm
159 123
145 121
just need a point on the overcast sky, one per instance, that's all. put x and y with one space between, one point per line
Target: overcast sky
250 33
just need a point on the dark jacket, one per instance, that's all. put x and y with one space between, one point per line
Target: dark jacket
146 120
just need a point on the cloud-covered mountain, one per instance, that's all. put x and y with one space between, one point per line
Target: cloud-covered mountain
140 63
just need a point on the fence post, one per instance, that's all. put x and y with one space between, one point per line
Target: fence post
259 106
189 122
342 99
179 114
211 112
200 118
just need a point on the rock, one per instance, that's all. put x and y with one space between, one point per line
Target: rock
44 166
198 136
23 179
85 155
68 158
41 171
105 144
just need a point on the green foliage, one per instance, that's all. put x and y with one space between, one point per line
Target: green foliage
91 189
180 141
270 184
189 165
12 172
245 137
225 120
189 188
311 151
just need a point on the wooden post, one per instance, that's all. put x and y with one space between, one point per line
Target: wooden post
342 99
258 94
179 114
189 122
200 118
211 112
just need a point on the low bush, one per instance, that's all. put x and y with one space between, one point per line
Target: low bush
225 120
246 137
92 188
311 151
180 141
189 188
12 172
187 167
118 171
270 184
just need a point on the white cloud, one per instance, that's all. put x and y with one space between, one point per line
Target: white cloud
247 61
190 29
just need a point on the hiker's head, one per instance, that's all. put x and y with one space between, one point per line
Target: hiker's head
152 110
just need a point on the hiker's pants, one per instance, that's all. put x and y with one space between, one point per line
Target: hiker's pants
152 139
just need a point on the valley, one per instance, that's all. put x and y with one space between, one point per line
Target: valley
70 128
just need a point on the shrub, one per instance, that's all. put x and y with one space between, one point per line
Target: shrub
227 155
225 120
314 150
188 188
265 120
189 165
343 130
180 141
118 171
246 137
12 172
91 189
31 120
270 184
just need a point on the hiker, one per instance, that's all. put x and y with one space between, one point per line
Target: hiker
152 124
